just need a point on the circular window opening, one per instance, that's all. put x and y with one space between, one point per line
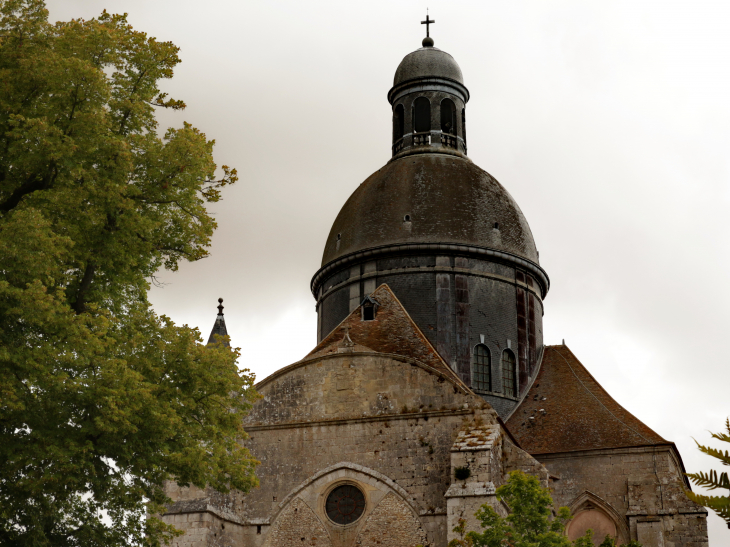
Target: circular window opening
345 504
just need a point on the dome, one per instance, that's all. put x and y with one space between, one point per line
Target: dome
427 62
430 198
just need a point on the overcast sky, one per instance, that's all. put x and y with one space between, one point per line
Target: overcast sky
609 123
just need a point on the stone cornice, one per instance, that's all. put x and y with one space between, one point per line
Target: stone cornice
433 248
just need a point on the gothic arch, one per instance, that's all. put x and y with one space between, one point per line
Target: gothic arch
587 502
344 471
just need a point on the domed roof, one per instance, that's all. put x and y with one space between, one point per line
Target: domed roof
427 62
430 198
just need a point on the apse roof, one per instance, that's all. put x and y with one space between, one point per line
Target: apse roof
391 331
567 410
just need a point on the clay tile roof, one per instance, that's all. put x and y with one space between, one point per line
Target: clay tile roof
392 331
571 411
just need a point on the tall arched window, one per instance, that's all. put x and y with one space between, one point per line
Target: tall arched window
509 374
448 117
481 374
398 123
422 115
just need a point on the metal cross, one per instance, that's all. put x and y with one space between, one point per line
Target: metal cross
427 22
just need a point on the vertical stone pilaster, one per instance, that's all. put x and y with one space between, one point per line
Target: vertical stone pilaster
444 311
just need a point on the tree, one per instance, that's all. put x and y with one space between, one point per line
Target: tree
530 523
711 480
101 400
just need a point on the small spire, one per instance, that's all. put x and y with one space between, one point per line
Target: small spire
428 41
219 327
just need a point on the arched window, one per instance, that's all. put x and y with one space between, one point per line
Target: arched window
593 519
422 115
398 123
448 117
509 374
481 374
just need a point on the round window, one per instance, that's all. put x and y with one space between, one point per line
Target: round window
345 504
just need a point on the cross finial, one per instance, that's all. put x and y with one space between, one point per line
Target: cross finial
428 22
220 306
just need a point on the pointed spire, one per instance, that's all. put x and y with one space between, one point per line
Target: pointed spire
219 327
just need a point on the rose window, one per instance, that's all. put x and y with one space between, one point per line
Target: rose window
345 504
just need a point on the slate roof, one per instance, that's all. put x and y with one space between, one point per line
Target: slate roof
567 410
392 331
219 327
427 62
448 199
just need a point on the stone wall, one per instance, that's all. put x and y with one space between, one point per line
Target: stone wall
641 489
383 423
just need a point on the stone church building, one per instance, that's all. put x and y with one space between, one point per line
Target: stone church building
430 381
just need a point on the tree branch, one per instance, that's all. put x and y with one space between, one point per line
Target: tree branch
79 306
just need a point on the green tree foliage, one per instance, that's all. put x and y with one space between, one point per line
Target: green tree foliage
713 481
530 523
101 400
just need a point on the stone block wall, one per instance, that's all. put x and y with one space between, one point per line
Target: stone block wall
383 423
390 417
640 489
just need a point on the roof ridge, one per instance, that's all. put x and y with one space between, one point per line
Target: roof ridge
419 338
423 336
599 400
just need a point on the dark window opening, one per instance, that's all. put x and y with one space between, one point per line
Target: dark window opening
422 115
398 123
407 218
463 124
258 529
509 374
368 312
496 225
448 117
481 376
339 236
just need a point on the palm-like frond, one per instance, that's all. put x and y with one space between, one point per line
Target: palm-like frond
710 480
713 481
724 457
719 504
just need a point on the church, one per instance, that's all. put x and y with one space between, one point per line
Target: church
430 381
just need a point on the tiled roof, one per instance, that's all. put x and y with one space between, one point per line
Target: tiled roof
392 331
566 410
